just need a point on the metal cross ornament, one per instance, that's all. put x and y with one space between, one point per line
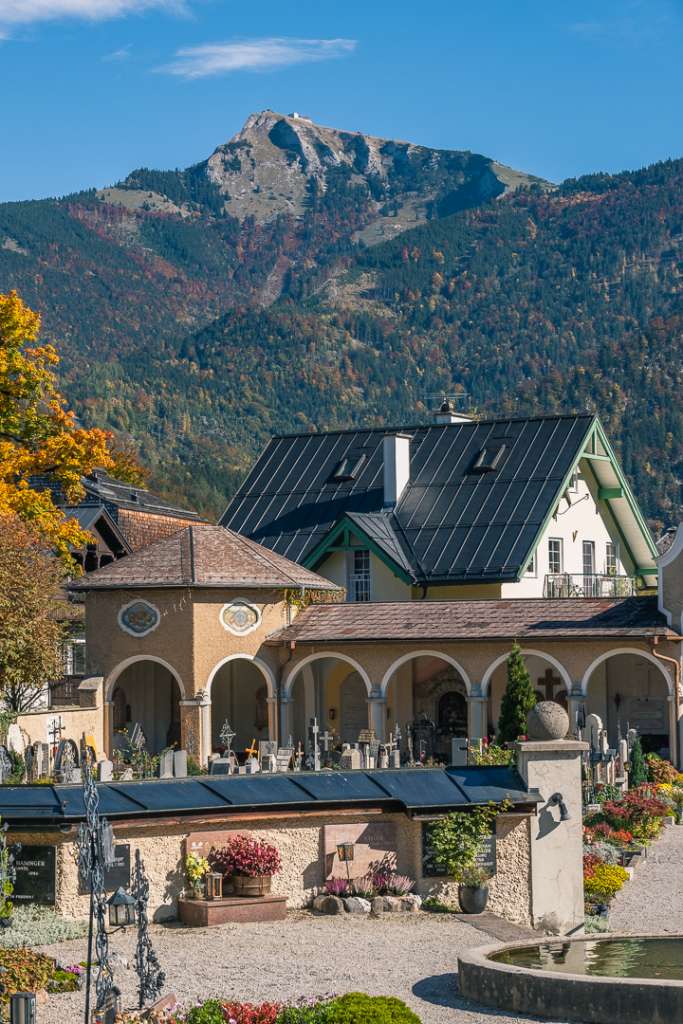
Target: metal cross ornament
147 968
226 736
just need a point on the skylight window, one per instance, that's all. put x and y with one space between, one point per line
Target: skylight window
348 468
488 459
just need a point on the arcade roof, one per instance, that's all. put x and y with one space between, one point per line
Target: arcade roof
203 555
411 790
512 618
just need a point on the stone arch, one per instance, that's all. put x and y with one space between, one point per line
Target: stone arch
127 662
625 650
531 652
294 671
396 665
261 665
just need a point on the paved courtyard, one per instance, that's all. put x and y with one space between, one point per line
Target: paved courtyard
653 900
410 956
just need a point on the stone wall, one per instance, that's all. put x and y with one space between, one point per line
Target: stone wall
300 841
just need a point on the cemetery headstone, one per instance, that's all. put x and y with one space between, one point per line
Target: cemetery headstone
593 730
351 759
138 740
35 875
15 739
459 751
30 762
180 764
166 764
486 859
383 758
266 748
220 766
284 758
6 765
105 770
396 758
126 774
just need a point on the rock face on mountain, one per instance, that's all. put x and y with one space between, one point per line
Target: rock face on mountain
276 165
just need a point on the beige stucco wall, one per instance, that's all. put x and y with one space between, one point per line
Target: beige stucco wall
76 721
671 582
300 841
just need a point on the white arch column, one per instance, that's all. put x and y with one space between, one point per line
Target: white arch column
477 714
576 699
377 707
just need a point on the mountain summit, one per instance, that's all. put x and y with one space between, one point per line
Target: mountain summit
276 164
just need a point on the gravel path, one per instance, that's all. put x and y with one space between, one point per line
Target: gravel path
410 956
653 899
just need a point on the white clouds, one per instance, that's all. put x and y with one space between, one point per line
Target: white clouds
254 55
16 12
116 56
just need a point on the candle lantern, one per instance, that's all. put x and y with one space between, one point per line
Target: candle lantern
345 852
214 885
22 1008
121 909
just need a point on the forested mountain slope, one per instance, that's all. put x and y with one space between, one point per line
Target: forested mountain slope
264 290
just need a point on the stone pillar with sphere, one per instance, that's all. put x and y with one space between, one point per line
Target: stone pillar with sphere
551 763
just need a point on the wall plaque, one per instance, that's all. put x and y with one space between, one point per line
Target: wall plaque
430 869
36 875
374 843
119 873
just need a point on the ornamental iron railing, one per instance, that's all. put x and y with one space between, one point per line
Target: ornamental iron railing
574 584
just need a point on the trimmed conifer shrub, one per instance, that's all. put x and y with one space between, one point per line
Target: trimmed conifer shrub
518 699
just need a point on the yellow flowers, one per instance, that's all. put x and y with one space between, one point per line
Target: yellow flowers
39 436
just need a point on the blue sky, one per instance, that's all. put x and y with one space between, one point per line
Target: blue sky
94 88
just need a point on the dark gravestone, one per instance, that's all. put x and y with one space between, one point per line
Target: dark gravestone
431 869
36 875
119 873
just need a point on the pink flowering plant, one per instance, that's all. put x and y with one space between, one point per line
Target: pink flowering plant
243 855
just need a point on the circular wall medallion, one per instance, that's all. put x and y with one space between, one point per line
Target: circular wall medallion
240 617
139 618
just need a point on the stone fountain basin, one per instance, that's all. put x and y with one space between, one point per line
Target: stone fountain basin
559 995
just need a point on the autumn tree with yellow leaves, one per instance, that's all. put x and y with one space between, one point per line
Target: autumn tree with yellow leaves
40 437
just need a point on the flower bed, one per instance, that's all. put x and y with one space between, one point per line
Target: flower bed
24 970
354 1008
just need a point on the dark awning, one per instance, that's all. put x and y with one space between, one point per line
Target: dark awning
411 790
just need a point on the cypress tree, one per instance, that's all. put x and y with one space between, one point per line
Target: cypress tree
518 699
639 773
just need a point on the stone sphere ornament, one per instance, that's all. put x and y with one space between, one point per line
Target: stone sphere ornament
547 721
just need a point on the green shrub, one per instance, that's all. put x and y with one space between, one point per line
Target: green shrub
518 699
357 1008
39 926
210 1012
24 970
638 774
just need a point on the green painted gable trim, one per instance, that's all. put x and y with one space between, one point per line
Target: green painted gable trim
342 531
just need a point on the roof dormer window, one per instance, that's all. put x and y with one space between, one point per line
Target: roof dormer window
348 468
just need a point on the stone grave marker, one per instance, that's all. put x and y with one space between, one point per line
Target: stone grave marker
36 875
180 764
166 764
383 758
373 841
29 761
105 770
15 739
593 731
220 766
459 751
284 758
5 763
351 759
126 774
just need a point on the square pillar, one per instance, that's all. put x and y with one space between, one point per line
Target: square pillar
191 728
378 714
554 766
477 717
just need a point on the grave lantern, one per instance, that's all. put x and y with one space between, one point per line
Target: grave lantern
121 909
22 1008
345 852
214 885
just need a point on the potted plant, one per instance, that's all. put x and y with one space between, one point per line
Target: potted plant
250 864
196 867
458 841
473 891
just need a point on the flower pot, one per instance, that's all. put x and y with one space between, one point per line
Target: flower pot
473 899
244 885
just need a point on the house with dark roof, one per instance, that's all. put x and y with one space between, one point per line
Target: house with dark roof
459 508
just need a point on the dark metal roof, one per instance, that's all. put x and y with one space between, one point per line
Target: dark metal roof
100 486
508 619
453 523
407 789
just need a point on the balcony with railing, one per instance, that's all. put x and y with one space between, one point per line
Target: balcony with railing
574 584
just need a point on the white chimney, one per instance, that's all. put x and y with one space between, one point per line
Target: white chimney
396 467
447 414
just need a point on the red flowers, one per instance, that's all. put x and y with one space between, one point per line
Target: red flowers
243 855
250 1013
636 806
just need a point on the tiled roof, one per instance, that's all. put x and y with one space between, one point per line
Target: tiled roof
453 523
513 618
203 555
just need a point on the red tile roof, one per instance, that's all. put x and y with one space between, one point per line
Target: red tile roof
513 618
203 555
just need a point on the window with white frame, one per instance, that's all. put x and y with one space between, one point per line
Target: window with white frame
555 555
359 584
611 558
73 657
589 557
531 567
